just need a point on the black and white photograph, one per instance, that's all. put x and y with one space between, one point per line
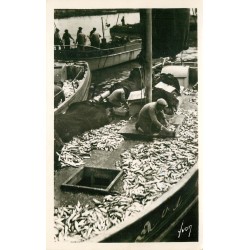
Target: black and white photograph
124 125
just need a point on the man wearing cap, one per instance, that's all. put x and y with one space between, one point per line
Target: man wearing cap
57 39
66 38
152 118
81 39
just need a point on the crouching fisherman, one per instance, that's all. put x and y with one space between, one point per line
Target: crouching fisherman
119 97
152 119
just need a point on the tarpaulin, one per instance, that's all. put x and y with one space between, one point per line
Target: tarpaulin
170 30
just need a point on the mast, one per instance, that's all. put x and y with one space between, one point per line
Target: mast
103 37
148 56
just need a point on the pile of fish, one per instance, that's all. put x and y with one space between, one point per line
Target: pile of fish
106 138
193 95
150 170
188 55
194 100
189 91
79 223
171 127
68 89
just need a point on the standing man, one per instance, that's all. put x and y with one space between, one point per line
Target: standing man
66 38
81 39
123 21
57 39
95 38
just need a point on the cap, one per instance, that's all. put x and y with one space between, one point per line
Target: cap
162 102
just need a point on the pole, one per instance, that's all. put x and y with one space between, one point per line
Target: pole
148 56
102 29
103 39
117 19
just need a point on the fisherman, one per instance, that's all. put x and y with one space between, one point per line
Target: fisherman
119 97
66 38
94 38
79 30
152 118
57 39
123 21
81 39
58 93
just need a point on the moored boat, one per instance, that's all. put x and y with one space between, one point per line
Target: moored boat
159 187
100 58
73 72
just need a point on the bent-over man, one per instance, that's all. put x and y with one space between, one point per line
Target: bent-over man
152 118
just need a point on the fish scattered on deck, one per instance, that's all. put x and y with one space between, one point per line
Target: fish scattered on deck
150 170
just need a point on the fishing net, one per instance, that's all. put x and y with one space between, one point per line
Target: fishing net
80 117
172 101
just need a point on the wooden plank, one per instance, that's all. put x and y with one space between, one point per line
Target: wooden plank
129 130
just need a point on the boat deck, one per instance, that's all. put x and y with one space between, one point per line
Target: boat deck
102 159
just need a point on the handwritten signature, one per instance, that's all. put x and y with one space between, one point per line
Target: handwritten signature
185 229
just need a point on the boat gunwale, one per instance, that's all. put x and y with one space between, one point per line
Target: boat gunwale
63 105
113 48
115 54
148 209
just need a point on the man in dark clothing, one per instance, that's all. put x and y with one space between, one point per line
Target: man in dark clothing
79 30
94 38
58 94
66 38
81 39
57 39
123 21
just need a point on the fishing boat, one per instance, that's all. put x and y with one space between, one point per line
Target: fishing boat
118 50
159 221
100 58
132 30
156 222
72 72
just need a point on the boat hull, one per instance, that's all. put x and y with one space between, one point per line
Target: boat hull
156 222
103 58
82 92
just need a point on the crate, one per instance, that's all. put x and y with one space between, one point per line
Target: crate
180 72
136 96
93 179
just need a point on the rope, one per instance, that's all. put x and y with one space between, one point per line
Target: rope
141 84
75 79
58 93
